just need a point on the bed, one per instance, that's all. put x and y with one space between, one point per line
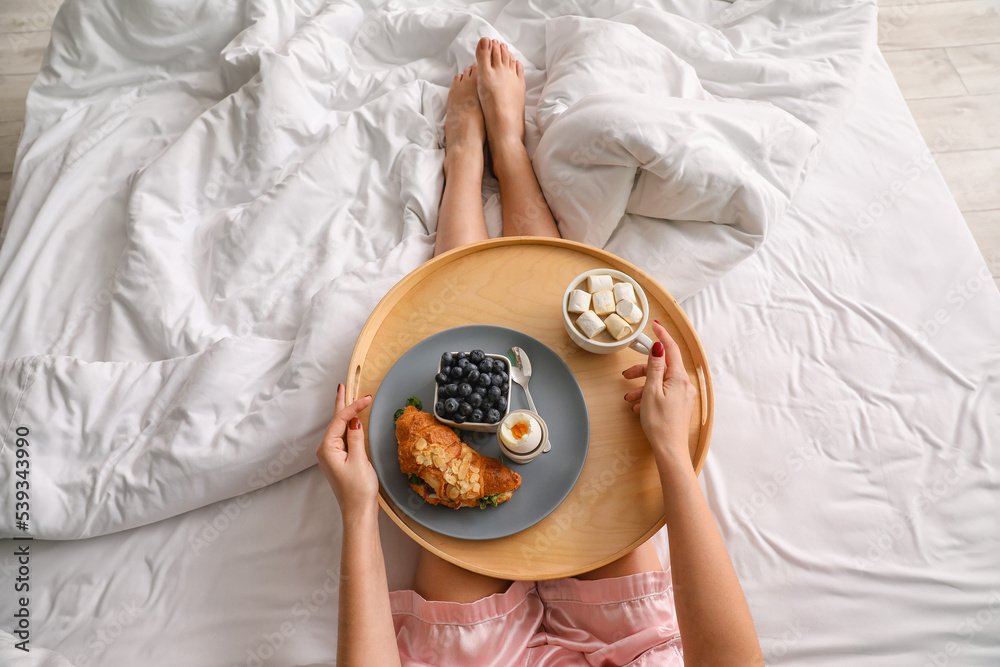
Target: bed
209 198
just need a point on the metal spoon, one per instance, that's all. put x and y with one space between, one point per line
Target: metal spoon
520 373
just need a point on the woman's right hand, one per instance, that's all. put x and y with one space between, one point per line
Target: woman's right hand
666 400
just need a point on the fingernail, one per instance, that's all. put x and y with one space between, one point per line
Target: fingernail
658 322
657 349
368 395
355 424
339 386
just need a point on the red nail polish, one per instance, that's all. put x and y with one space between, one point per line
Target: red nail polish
355 424
658 322
368 395
657 349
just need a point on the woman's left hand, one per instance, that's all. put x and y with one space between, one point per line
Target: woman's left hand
343 460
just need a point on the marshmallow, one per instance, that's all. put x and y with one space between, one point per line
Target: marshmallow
625 291
617 327
628 311
604 302
579 301
598 283
590 324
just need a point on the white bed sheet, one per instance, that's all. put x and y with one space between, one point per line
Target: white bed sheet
852 470
203 217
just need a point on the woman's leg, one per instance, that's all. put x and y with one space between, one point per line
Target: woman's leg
501 95
641 559
461 219
437 579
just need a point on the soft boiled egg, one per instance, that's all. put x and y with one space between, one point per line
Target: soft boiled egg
521 433
522 436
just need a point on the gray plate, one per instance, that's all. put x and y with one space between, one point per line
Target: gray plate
546 481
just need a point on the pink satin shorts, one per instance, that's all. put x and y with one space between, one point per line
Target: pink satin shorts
622 621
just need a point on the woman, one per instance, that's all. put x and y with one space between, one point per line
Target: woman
629 610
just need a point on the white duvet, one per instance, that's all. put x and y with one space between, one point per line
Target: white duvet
209 199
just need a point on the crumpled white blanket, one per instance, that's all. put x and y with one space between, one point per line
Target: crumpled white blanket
210 198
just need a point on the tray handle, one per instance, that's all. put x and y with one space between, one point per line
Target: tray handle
703 390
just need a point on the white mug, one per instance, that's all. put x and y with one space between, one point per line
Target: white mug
637 340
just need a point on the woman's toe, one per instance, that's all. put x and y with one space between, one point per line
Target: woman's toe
483 51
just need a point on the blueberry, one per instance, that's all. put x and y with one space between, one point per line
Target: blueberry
458 418
442 377
456 372
494 394
505 377
479 389
487 404
439 407
485 380
476 416
497 380
462 363
476 356
499 365
501 404
464 389
451 405
472 375
449 390
447 359
475 400
464 409
486 365
461 355
493 416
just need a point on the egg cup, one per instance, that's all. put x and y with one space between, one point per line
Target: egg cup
525 457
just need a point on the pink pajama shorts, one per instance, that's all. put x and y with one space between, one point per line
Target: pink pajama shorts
622 621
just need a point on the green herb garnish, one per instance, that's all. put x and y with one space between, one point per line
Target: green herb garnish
412 400
488 500
415 479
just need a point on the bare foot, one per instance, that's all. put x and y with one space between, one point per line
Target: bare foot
464 125
501 92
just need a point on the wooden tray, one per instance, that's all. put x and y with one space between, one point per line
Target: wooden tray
518 282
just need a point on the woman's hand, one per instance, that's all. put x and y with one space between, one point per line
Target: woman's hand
666 401
343 460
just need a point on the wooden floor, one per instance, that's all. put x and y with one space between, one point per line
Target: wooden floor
945 56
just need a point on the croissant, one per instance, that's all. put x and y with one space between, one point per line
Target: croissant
453 474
